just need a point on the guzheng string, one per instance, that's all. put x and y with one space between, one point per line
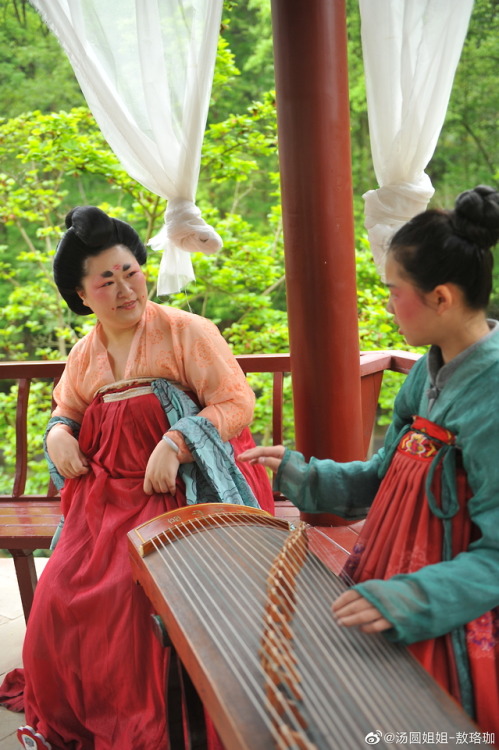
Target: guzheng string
235 650
322 687
319 591
226 586
328 675
246 619
399 674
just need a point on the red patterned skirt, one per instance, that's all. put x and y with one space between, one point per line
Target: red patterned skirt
402 534
94 670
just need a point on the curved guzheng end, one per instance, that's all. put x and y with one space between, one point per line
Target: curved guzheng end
190 519
246 601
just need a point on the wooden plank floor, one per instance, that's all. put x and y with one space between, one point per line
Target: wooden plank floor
12 629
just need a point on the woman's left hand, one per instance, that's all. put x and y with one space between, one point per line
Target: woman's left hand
352 609
161 470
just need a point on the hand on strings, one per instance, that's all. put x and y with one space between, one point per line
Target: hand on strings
64 451
161 470
270 455
351 609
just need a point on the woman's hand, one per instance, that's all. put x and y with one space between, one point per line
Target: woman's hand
161 470
352 609
64 451
270 456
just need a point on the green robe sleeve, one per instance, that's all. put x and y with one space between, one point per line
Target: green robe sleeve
348 489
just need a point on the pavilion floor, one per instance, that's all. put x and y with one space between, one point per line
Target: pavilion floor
12 629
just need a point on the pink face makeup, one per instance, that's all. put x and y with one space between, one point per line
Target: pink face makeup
110 275
413 315
115 288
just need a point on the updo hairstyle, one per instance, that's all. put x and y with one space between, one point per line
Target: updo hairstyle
90 231
439 247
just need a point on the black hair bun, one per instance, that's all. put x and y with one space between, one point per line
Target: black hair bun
96 229
91 225
476 216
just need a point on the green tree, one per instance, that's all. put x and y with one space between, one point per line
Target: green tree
247 31
52 159
34 72
467 152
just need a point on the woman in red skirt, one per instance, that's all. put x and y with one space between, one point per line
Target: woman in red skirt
426 566
152 410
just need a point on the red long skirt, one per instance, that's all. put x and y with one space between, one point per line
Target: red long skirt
401 535
94 671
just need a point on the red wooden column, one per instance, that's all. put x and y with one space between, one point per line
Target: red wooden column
310 49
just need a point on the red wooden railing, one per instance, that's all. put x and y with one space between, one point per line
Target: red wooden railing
372 366
27 522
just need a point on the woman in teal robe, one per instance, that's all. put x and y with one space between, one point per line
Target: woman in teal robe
425 570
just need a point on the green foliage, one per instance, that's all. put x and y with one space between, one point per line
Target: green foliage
248 33
363 177
34 74
53 157
239 170
38 416
467 153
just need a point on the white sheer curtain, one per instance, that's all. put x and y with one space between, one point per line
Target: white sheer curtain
411 49
145 68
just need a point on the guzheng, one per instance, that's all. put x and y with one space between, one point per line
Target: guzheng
246 602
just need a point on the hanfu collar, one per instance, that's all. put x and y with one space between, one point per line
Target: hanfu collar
440 373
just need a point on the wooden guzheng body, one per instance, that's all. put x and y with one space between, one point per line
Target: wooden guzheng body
247 606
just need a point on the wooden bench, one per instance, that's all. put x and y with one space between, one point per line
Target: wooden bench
28 522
